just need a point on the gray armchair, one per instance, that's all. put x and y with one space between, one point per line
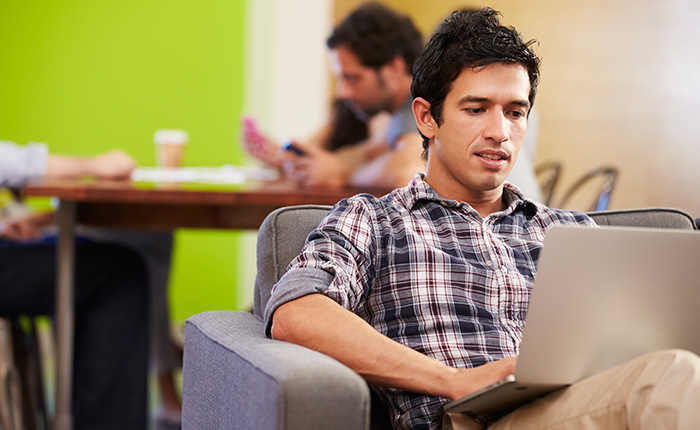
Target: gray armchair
236 378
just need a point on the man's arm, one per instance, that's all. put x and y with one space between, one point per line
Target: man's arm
360 153
320 167
115 164
364 165
394 168
21 164
319 323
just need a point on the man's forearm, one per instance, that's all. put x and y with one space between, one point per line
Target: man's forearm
115 164
319 323
59 166
362 153
393 168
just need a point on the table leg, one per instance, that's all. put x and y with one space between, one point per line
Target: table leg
65 316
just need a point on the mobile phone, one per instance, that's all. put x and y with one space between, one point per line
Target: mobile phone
251 127
290 146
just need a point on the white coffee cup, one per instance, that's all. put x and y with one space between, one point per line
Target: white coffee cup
170 145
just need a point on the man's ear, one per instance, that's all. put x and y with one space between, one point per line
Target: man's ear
398 66
424 119
394 70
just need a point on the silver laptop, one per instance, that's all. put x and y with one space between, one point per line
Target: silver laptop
602 296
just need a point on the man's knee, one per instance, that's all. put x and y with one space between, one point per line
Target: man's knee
667 392
676 358
686 357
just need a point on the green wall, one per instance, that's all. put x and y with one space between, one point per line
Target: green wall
87 76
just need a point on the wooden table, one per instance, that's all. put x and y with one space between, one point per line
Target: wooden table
149 206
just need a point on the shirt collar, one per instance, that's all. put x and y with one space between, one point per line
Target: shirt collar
515 199
418 189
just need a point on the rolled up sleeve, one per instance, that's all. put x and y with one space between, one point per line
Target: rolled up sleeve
293 285
21 164
336 262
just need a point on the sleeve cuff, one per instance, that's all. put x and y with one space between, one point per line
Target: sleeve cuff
21 164
293 285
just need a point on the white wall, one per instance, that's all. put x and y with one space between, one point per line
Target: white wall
287 87
287 71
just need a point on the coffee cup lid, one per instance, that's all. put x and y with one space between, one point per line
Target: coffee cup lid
175 136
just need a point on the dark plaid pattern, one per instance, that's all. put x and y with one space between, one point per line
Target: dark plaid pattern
429 273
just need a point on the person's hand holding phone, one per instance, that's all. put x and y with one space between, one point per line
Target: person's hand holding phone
294 148
259 146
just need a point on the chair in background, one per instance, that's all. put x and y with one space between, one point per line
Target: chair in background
28 358
548 174
10 391
234 377
606 176
22 404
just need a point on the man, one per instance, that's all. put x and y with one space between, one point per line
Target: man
111 314
372 53
424 291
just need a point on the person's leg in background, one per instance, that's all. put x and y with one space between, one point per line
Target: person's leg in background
111 325
165 358
155 248
111 333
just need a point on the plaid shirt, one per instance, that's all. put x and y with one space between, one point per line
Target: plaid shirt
429 273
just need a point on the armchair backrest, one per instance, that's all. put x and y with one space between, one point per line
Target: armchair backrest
281 237
648 217
283 234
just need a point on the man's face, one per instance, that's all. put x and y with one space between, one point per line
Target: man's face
363 88
484 123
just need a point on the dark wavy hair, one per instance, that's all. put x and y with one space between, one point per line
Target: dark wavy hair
377 35
468 39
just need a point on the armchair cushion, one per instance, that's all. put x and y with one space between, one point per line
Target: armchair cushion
236 378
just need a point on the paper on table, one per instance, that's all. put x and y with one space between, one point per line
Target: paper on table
212 175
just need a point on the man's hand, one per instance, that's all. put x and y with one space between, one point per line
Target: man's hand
318 168
115 164
467 381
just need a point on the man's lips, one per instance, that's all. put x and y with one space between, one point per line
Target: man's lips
493 159
493 155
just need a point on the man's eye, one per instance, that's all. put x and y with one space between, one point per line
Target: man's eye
517 114
473 110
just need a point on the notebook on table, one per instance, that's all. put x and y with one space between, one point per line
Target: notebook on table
602 296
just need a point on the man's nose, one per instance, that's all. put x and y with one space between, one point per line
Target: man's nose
342 90
497 127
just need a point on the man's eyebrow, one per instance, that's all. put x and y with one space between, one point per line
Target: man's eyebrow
472 99
476 99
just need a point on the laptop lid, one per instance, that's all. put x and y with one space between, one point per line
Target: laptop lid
602 296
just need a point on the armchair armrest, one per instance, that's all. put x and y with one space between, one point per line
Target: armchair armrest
235 377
